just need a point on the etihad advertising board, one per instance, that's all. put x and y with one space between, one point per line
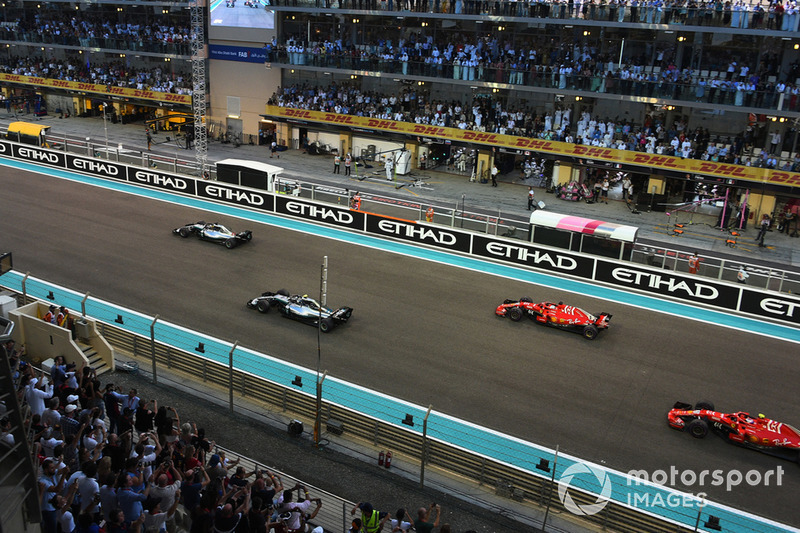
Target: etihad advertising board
697 289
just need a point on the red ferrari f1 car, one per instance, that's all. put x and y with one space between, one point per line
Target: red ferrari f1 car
755 432
555 315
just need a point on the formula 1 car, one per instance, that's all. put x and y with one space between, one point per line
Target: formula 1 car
740 428
215 233
555 315
301 308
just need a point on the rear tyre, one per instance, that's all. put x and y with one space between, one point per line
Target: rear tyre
263 306
230 243
326 325
697 428
590 332
526 299
184 232
283 292
515 314
704 405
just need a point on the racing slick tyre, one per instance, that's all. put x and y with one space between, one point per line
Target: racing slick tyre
184 232
249 237
263 306
283 292
704 405
697 428
326 325
515 314
590 332
526 299
230 243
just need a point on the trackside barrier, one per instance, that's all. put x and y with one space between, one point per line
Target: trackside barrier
509 464
722 295
455 216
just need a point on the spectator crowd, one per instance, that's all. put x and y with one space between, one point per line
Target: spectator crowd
113 73
722 78
655 135
112 461
97 30
779 15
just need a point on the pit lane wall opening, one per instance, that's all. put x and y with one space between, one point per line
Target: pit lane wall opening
720 295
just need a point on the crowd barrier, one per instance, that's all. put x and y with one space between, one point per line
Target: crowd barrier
519 469
752 302
454 216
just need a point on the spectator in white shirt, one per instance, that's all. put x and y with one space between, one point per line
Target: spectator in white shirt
35 396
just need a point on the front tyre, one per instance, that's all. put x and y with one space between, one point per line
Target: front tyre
590 332
184 232
263 306
697 428
515 314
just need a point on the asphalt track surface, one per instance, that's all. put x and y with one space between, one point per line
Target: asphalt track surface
424 332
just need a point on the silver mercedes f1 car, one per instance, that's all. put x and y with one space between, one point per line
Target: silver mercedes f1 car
301 308
214 232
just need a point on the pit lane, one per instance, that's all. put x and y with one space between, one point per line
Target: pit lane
423 331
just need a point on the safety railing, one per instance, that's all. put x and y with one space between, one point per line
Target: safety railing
492 474
518 469
462 214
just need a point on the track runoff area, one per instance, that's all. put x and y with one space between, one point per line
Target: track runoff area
510 273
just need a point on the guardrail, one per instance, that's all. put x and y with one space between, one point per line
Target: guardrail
453 215
515 468
329 219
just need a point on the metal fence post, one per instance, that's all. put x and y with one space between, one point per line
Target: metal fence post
83 304
153 347
230 375
550 489
424 452
25 288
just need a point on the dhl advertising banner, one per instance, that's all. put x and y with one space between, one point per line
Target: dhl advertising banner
654 161
97 88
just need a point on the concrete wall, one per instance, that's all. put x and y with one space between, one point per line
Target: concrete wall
44 340
250 82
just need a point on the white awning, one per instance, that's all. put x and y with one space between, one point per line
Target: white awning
587 226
